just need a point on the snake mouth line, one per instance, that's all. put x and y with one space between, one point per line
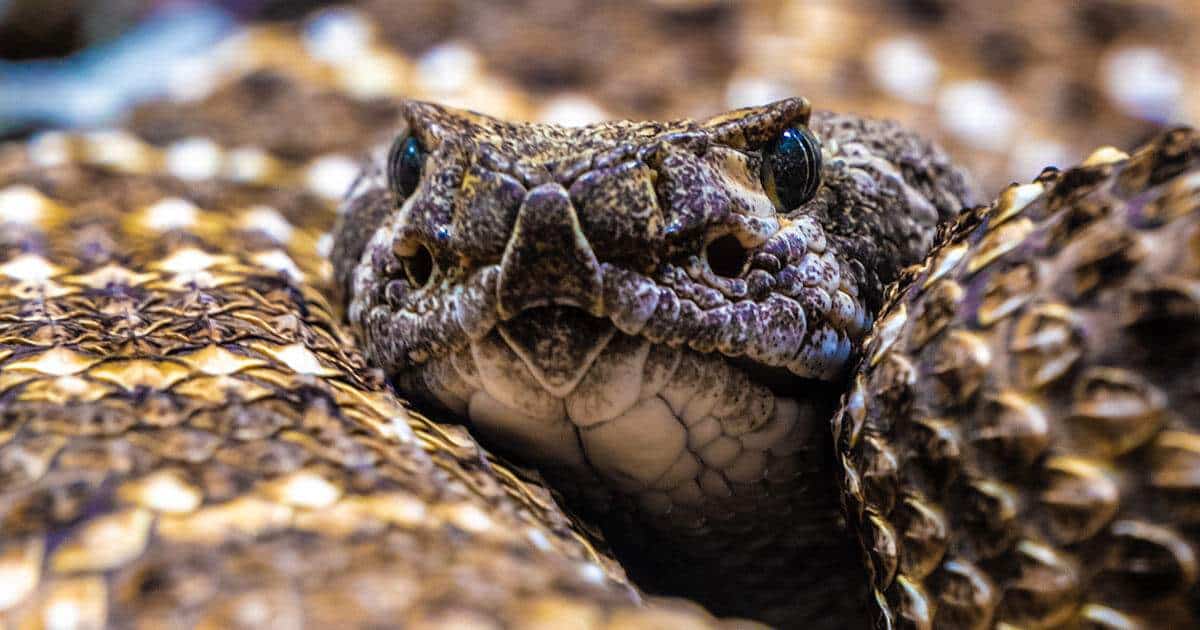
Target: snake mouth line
782 382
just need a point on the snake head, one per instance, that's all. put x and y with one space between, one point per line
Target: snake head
658 314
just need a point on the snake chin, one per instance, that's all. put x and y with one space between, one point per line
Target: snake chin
672 438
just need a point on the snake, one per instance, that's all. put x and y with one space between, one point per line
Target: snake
775 364
628 307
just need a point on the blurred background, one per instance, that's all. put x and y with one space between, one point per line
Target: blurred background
1007 87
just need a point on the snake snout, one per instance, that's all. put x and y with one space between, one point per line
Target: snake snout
548 260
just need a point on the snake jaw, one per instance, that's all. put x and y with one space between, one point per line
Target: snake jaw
634 419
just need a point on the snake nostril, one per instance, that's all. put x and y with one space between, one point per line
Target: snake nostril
726 256
418 267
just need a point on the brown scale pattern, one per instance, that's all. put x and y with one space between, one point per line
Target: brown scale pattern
187 437
1021 446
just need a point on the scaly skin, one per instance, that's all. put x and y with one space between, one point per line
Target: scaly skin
189 439
1021 446
572 318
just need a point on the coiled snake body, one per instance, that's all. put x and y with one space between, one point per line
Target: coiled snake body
659 316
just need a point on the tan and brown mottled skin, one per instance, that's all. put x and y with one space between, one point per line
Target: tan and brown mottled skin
203 448
1021 445
564 244
189 439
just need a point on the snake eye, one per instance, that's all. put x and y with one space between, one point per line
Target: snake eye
792 167
404 165
726 256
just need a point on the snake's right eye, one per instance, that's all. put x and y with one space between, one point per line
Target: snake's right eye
405 162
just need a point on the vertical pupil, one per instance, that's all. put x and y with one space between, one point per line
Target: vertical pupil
407 167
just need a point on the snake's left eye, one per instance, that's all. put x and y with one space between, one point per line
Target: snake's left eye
791 170
404 165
